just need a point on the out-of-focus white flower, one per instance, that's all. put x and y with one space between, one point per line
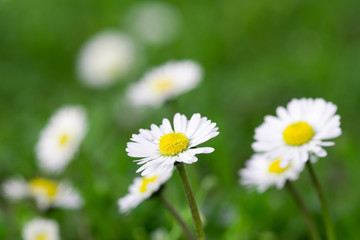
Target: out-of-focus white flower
61 138
46 193
155 23
161 147
105 58
41 229
299 130
165 82
141 189
261 172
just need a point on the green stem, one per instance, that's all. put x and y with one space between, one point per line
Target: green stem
191 200
309 220
178 218
324 206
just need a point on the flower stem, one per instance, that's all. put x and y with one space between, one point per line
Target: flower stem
324 206
191 200
178 218
309 220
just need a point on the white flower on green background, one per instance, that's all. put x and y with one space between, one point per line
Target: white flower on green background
45 192
164 83
154 23
300 129
141 189
261 172
161 147
106 58
60 139
41 229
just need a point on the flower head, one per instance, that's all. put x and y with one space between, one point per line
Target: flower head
165 82
61 138
261 172
46 193
105 58
141 189
155 23
41 229
160 147
299 130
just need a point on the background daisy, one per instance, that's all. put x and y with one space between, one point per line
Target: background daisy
298 130
154 23
161 147
41 229
46 193
261 172
165 82
105 58
60 139
141 189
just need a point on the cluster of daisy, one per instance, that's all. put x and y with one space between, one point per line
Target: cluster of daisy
58 143
283 144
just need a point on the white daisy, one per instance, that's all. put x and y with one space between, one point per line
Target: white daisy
45 192
298 130
160 147
41 229
61 138
165 82
262 172
141 189
155 23
105 58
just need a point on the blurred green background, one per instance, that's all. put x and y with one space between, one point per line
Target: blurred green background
257 55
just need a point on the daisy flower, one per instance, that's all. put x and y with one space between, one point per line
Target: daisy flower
165 82
300 129
61 138
41 229
105 58
261 172
155 23
45 192
161 147
141 189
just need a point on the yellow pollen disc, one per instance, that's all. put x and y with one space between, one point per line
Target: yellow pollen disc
41 236
275 167
172 144
43 186
298 133
162 85
64 139
145 182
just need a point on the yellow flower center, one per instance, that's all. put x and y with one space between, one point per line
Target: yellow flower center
298 133
145 182
41 236
172 144
64 139
43 186
163 84
275 166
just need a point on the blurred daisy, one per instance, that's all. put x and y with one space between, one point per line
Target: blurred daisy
41 229
164 83
61 138
46 193
141 189
298 130
105 58
161 147
155 23
261 172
